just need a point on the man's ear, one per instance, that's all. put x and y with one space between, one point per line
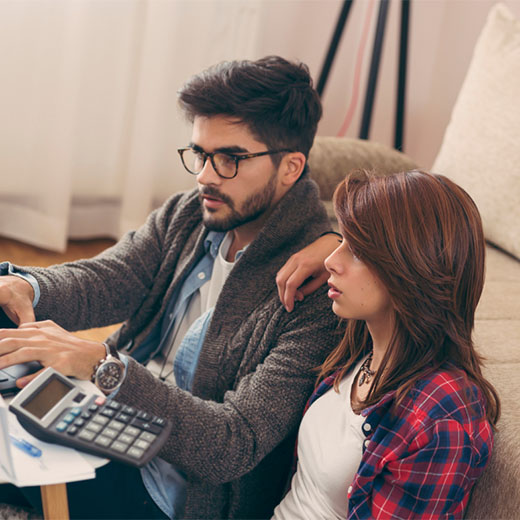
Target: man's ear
292 167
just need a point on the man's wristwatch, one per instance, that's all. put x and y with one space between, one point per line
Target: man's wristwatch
108 373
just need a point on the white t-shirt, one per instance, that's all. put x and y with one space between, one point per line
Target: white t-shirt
330 444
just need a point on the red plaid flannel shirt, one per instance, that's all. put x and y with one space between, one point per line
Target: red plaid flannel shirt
421 460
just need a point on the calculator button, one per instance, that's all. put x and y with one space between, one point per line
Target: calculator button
93 408
79 398
159 421
116 425
123 417
62 426
128 439
68 418
86 435
152 428
147 436
72 430
145 416
129 410
94 427
108 412
114 405
147 426
131 430
100 400
109 432
136 453
79 422
140 443
103 441
121 447
75 411
86 415
100 419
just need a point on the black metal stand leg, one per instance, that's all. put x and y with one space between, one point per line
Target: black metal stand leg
333 46
401 82
374 70
374 65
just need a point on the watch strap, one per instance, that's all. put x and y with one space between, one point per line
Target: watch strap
112 350
109 351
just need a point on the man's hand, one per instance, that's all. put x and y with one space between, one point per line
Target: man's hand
16 297
52 346
305 267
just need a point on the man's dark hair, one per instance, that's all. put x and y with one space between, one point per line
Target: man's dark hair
274 97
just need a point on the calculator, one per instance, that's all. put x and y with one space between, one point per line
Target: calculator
54 409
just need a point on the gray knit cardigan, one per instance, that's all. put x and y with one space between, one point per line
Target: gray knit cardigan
233 437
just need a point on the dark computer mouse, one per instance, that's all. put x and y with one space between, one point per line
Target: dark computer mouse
5 321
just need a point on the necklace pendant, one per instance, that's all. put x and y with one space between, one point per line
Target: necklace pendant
361 379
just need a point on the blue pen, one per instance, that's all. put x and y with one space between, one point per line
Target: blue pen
26 446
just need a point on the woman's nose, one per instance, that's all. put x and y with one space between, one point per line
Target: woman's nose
332 261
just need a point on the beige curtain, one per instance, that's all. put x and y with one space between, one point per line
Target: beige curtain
88 107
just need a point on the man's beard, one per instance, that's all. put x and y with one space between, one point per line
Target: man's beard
253 207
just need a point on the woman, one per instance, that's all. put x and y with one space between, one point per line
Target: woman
400 424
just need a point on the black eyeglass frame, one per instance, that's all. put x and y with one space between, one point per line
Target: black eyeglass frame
236 157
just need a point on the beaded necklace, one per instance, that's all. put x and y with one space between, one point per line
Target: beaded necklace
365 372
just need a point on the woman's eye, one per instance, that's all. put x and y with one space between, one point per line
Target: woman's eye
354 256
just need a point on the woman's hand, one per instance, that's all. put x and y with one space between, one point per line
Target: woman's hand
304 272
52 346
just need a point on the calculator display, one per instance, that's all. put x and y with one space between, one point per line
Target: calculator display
48 396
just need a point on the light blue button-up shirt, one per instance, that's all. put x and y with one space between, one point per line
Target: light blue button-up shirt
6 268
165 484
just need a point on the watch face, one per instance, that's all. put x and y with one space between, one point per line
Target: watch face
109 375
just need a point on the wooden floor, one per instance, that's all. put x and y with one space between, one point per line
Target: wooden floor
23 254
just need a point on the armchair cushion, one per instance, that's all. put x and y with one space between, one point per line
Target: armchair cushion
331 158
480 150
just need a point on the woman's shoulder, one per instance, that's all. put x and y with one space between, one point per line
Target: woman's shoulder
446 393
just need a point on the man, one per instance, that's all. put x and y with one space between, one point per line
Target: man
195 290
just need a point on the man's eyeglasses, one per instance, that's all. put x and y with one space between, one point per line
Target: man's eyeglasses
225 164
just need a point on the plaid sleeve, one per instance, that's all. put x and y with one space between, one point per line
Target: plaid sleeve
433 478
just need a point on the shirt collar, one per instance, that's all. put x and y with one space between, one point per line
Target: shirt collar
213 242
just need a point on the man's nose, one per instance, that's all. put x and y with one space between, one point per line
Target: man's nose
208 175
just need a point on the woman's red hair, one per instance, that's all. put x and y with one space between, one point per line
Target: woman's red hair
421 234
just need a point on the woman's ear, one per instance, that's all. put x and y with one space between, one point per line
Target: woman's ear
292 167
